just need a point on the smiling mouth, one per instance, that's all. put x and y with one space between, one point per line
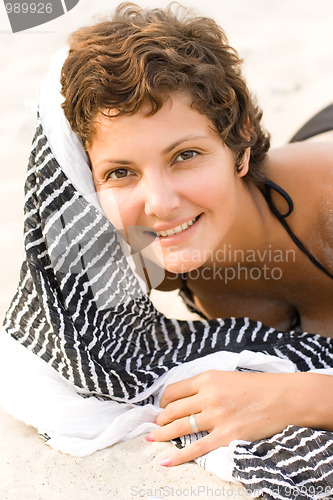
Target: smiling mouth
177 229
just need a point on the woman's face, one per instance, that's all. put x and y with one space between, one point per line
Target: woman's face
167 179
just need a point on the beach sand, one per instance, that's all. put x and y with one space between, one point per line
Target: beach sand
288 52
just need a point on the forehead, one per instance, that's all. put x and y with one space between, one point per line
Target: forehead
176 116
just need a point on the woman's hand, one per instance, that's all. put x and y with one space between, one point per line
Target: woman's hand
230 405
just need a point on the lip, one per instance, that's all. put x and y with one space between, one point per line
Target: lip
172 225
178 238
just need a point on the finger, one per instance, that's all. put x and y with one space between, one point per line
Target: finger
179 409
173 430
180 427
193 451
178 390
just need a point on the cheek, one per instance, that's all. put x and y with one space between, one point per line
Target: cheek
209 192
114 207
218 198
197 187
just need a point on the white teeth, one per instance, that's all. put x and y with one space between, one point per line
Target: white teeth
177 229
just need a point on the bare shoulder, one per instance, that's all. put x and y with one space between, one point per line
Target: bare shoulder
304 169
302 158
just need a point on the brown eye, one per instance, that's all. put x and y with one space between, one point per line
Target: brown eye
119 173
186 155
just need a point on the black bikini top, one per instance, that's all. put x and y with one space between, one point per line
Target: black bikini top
268 186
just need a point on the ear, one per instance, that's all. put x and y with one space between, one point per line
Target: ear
244 166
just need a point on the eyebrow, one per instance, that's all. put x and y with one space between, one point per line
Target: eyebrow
184 139
165 151
111 160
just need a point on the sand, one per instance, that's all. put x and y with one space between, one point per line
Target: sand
288 51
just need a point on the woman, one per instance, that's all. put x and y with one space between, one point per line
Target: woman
184 109
176 148
180 166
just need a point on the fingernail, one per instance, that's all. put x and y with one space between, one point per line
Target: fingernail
150 437
166 462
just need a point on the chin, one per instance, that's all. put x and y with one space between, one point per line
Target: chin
181 267
184 261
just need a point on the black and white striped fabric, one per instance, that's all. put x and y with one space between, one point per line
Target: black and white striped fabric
297 465
81 308
294 464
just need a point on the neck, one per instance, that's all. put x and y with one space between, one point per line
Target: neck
252 236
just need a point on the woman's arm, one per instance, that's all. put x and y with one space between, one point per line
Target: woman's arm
238 405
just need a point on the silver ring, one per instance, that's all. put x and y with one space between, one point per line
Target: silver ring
193 424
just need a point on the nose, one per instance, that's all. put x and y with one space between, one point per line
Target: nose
161 196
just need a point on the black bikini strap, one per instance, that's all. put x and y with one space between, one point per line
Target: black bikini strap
268 186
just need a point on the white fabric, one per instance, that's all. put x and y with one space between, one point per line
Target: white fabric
65 144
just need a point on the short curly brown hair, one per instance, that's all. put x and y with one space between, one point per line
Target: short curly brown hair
144 55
